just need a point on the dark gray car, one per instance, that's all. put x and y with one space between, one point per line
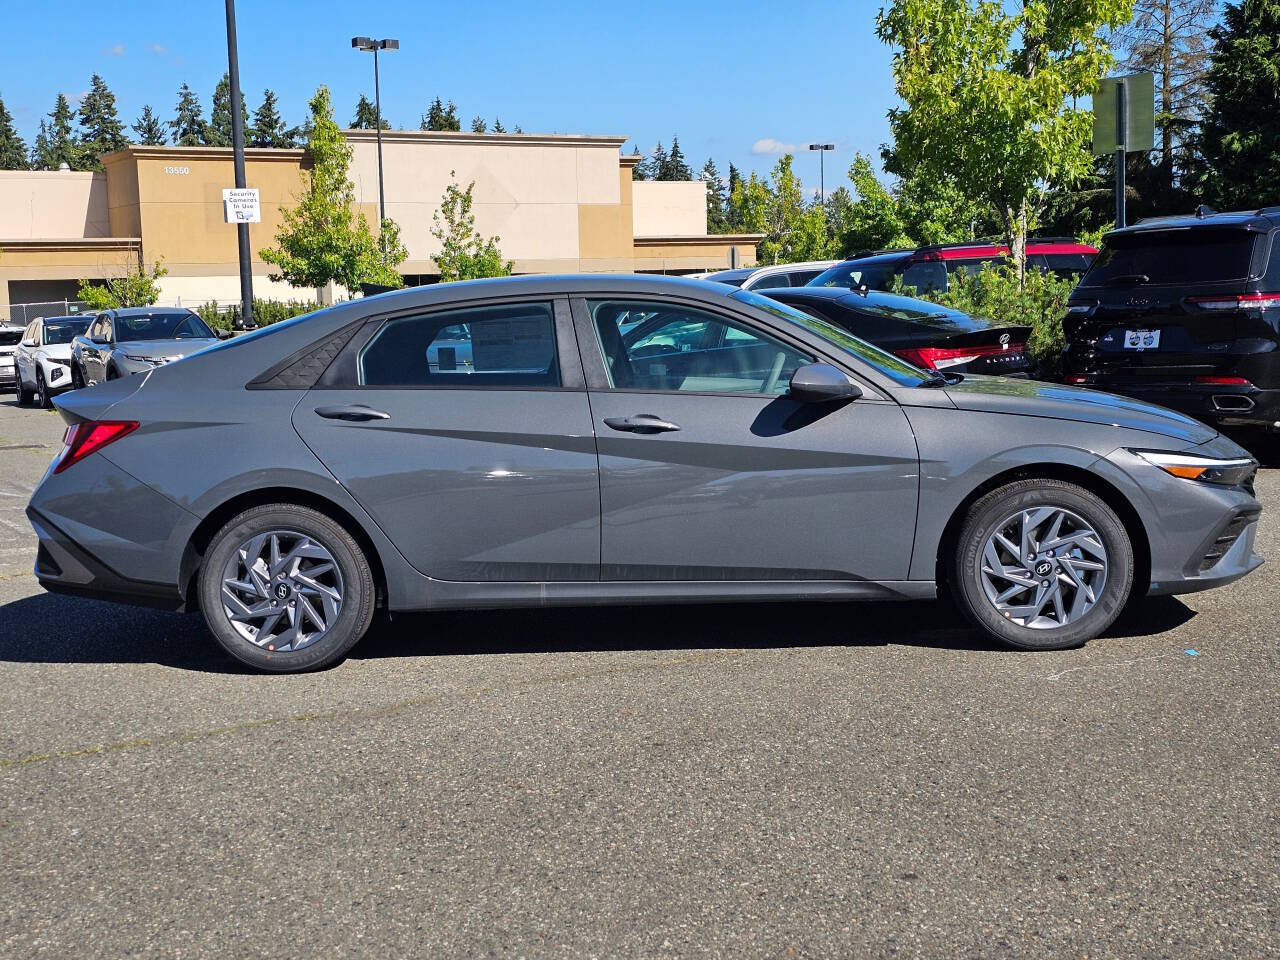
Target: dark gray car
132 340
612 440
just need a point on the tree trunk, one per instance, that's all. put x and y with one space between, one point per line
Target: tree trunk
1018 241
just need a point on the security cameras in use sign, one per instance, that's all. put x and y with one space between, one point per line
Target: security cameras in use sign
242 206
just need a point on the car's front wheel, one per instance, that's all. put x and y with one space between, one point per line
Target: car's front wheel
284 588
77 377
42 391
1043 564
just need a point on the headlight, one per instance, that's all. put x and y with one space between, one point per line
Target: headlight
155 361
1189 466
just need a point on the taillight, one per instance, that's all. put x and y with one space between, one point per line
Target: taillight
1077 379
1225 381
83 439
1256 301
939 358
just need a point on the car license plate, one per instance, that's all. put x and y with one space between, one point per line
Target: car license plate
1141 339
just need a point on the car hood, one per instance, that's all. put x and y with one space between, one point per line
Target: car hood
1032 398
56 351
163 348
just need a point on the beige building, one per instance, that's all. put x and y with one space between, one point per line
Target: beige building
560 204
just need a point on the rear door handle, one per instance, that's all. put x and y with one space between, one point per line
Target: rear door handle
641 423
355 412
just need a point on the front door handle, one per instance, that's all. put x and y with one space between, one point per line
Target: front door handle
641 423
354 412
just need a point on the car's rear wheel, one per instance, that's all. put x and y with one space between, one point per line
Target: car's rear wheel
1043 564
284 588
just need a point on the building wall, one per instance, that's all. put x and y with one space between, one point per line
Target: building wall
53 205
669 208
554 202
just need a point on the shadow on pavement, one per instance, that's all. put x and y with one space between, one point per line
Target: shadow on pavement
53 629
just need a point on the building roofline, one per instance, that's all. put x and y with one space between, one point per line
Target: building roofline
507 139
291 154
73 243
699 241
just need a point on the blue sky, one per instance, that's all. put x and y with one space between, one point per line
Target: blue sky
733 80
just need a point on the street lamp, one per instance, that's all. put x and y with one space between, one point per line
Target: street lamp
822 149
368 43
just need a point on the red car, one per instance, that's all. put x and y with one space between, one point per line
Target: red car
928 268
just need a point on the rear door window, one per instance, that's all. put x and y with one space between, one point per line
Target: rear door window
511 345
1182 257
926 277
772 282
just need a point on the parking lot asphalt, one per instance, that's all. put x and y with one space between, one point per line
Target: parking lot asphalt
776 781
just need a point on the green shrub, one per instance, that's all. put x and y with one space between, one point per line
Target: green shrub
265 312
993 293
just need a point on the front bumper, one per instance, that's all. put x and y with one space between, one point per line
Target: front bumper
8 376
1225 556
57 377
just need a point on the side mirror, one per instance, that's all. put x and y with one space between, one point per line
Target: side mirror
822 383
28 343
99 338
224 334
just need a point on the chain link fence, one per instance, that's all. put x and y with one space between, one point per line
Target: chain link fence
23 313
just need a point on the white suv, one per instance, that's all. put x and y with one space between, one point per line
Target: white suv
44 357
766 278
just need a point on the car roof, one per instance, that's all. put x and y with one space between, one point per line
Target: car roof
792 267
70 316
145 311
1262 219
738 273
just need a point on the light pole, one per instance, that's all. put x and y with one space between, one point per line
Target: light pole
237 150
822 149
368 43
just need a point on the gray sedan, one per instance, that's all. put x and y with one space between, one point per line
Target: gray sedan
135 339
616 440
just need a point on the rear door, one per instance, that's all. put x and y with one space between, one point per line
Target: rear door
709 471
1165 305
466 434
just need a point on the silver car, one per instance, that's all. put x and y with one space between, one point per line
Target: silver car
132 340
617 440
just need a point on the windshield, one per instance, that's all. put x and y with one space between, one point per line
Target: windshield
1181 257
64 331
896 370
160 325
854 274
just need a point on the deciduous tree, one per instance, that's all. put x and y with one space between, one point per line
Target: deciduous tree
320 239
134 286
464 254
988 93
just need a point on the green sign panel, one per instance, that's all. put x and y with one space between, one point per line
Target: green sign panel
1124 114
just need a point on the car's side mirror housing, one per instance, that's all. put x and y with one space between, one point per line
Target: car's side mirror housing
224 334
29 343
822 383
98 338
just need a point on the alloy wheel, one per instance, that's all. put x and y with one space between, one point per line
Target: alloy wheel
1043 567
282 590
42 391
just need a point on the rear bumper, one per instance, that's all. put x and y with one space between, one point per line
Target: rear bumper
1219 405
62 566
8 378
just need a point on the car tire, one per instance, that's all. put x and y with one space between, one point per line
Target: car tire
330 541
112 373
42 391
77 377
24 395
1051 596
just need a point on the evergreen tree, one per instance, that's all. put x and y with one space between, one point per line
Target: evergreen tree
13 151
150 129
56 144
101 130
655 163
220 117
268 128
1241 139
441 117
1170 38
672 166
638 171
478 125
733 221
498 127
367 116
189 126
716 219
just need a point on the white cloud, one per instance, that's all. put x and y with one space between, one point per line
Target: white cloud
116 51
158 50
770 146
75 98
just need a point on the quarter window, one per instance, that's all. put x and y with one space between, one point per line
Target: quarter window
513 345
666 347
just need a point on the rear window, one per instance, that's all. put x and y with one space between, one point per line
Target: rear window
853 274
1182 257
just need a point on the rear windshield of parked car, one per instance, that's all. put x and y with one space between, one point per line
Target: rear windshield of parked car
895 369
852 275
63 331
1176 257
160 325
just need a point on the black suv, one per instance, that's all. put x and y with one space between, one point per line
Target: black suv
1185 312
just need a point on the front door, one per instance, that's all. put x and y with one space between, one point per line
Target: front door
709 471
93 353
466 435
